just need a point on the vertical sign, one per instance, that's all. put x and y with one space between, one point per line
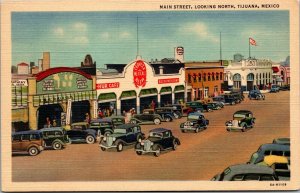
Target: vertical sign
95 113
68 116
63 118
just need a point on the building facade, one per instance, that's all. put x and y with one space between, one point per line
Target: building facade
248 74
137 86
281 74
205 78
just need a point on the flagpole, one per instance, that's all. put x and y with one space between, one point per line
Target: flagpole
249 48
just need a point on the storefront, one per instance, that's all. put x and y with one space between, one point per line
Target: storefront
248 74
137 86
61 95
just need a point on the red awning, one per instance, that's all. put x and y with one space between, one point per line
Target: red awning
275 69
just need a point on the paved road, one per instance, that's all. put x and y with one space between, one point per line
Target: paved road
200 157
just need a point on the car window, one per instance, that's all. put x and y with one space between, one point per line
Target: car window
34 137
17 137
166 134
129 130
78 127
95 124
279 153
266 178
287 153
135 129
238 177
26 137
251 177
267 152
58 133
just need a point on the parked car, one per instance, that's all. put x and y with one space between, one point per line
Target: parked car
80 132
180 110
195 122
208 107
242 120
196 106
103 126
256 94
230 99
216 106
55 137
246 172
274 88
285 87
269 149
28 141
166 113
123 135
146 118
238 95
160 139
282 141
219 99
279 164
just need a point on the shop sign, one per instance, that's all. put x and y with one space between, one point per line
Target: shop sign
68 116
19 83
63 117
95 110
179 50
64 82
168 80
107 85
139 74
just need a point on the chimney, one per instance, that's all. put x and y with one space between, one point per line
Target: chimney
40 64
161 70
46 60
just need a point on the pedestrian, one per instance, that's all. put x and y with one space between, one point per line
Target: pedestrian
100 114
54 124
87 118
48 122
152 105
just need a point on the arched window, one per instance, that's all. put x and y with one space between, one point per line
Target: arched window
189 78
221 75
208 77
217 76
195 77
199 77
250 77
204 77
213 76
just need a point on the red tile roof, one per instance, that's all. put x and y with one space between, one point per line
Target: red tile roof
41 75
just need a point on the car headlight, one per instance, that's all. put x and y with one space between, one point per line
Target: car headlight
142 143
114 139
151 143
239 121
104 139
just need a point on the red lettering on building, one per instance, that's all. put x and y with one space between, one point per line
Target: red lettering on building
107 85
139 74
168 80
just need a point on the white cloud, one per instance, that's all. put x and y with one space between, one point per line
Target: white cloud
59 31
199 29
81 39
82 27
105 35
125 34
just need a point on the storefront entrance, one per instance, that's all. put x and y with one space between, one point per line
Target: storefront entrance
53 111
79 110
146 98
165 99
237 81
250 80
107 103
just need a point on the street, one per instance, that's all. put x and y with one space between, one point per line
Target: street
199 157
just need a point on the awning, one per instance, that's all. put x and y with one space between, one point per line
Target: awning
148 92
130 94
179 88
107 97
278 79
166 90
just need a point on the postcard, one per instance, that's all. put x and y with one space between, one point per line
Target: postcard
150 95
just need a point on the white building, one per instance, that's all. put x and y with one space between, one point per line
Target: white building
247 74
137 86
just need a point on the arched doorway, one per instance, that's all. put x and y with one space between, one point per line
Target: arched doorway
237 81
128 100
250 81
53 111
165 96
146 98
79 109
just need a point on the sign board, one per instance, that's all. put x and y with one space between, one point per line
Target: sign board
63 117
168 80
139 74
107 85
19 82
68 115
95 110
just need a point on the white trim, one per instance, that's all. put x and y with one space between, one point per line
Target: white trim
178 91
147 95
106 101
165 93
127 98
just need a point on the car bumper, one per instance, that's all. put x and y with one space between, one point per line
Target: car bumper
234 128
41 148
188 128
146 151
107 146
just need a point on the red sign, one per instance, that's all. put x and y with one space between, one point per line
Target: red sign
139 74
107 85
168 80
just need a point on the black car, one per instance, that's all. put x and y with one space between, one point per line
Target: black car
230 99
126 134
167 114
80 132
160 139
238 95
146 118
256 94
195 122
241 121
216 105
106 126
208 107
196 106
285 87
55 137
180 110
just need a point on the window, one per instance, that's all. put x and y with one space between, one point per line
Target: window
166 134
204 77
199 77
287 154
267 152
26 137
213 76
17 137
189 78
238 177
267 178
221 76
34 137
279 153
251 177
129 130
208 77
217 76
195 78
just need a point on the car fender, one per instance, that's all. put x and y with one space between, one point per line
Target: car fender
171 117
177 140
110 130
33 145
58 140
118 141
91 132
137 120
158 116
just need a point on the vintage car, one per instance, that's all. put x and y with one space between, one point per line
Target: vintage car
28 141
146 118
106 125
285 87
180 110
256 94
242 120
160 139
55 137
195 122
269 149
216 106
238 95
282 141
167 113
279 164
219 99
208 107
124 135
230 99
246 172
274 88
196 106
80 132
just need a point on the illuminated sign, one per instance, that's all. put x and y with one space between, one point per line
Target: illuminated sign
107 85
168 80
139 74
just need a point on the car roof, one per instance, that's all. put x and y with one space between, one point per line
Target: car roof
196 113
52 129
115 116
274 146
80 123
243 112
164 108
148 110
282 141
126 126
250 168
106 119
26 132
159 130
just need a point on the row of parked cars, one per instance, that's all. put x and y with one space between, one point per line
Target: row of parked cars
271 162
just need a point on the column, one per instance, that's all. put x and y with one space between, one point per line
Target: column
173 97
118 106
138 105
158 100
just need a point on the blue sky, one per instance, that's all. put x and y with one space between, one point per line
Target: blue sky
110 37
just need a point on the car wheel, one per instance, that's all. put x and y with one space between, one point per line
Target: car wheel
103 149
156 121
120 147
57 145
69 141
168 119
232 103
90 139
197 130
228 130
33 151
174 144
106 133
157 151
139 138
244 128
183 131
